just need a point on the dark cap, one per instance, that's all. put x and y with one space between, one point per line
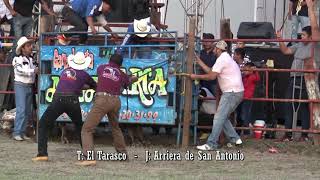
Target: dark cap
207 36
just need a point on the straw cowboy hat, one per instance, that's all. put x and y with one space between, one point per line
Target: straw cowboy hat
141 26
22 41
79 61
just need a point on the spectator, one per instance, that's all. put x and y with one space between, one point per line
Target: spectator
143 30
5 16
208 57
24 76
110 81
230 82
22 15
301 52
249 78
81 14
298 18
238 56
66 99
241 45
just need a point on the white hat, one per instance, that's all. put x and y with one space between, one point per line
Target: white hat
22 41
222 45
141 26
79 61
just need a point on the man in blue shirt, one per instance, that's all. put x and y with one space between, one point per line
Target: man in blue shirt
81 14
208 57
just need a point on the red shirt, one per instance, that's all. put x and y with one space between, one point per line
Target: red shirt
249 83
111 79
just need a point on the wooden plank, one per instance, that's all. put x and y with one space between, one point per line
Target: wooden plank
188 89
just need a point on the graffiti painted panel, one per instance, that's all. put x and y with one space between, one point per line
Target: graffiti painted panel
145 101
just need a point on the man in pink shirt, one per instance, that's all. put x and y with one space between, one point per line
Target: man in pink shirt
227 71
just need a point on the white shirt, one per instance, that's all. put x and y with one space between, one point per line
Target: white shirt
208 106
229 74
23 69
4 11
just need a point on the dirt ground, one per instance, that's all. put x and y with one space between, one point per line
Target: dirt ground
295 161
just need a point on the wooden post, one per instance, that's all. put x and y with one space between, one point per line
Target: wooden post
225 32
188 89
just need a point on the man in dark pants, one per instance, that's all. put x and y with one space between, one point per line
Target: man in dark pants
66 99
110 81
83 13
301 52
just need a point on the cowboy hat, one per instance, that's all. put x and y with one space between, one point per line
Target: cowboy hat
22 41
79 61
141 26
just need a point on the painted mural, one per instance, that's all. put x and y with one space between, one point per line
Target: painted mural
150 100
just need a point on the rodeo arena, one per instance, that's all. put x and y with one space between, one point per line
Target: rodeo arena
159 89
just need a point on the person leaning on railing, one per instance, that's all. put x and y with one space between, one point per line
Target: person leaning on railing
81 14
301 51
22 15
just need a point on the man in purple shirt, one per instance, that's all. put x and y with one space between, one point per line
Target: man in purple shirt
66 99
110 82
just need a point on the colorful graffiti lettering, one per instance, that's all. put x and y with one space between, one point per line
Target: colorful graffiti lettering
149 83
60 61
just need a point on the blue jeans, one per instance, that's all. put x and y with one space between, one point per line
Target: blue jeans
228 103
296 20
22 26
23 98
244 115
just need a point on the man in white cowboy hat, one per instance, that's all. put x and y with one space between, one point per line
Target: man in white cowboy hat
66 100
142 28
139 31
24 78
229 78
